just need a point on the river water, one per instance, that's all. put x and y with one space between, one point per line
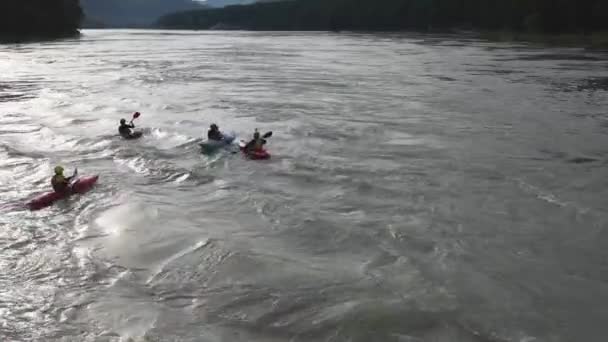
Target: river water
422 188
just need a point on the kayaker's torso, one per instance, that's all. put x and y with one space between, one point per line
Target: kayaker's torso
255 145
214 135
125 129
60 183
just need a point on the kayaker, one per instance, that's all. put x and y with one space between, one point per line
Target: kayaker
257 144
125 128
60 183
214 133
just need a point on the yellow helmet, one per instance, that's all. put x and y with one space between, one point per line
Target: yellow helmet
58 170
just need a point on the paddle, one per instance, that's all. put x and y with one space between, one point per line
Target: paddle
73 179
135 116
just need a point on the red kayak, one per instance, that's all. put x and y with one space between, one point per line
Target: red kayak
80 186
255 155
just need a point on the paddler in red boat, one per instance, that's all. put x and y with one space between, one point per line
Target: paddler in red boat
60 183
255 145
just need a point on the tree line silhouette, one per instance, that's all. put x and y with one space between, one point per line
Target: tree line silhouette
544 16
131 13
25 19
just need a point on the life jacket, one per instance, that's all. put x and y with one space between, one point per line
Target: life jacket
214 135
59 183
125 130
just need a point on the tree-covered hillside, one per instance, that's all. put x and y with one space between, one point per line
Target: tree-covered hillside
33 19
549 16
224 3
132 13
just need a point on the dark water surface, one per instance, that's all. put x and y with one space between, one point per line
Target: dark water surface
422 188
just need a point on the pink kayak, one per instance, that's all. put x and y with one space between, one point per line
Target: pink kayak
80 186
258 155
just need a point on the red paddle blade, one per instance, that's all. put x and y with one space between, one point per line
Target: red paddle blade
136 115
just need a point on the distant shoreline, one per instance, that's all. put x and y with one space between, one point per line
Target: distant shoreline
32 38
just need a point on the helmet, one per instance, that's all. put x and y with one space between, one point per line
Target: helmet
58 170
256 135
214 126
122 121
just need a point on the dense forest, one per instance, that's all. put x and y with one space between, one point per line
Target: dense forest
34 19
131 13
546 16
224 3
